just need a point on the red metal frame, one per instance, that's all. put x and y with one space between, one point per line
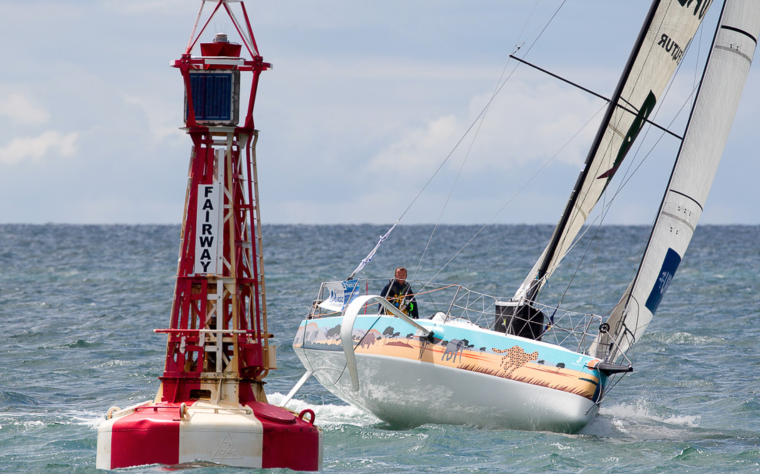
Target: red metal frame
217 341
245 356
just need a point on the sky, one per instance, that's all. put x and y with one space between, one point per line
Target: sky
365 102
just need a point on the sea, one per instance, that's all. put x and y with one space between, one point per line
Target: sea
78 305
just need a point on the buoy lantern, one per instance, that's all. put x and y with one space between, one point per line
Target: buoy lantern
211 404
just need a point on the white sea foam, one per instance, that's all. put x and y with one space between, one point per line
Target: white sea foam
638 421
641 411
328 415
89 419
602 427
31 420
29 423
116 363
16 420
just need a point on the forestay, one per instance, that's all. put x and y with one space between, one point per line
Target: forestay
666 33
706 135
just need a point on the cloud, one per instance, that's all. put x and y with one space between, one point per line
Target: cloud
161 116
529 122
19 109
141 7
20 149
419 149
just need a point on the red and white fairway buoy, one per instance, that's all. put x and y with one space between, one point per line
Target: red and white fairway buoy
211 405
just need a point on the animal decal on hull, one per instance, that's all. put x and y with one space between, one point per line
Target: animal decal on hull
368 340
314 336
512 363
333 333
516 357
454 347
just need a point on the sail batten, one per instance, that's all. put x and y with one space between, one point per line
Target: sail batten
706 134
669 27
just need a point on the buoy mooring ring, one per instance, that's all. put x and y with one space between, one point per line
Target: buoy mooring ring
311 418
111 410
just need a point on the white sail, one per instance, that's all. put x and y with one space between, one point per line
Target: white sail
706 135
670 27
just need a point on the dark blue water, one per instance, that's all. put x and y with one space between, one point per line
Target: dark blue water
78 305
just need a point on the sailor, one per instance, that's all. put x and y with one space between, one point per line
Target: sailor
400 294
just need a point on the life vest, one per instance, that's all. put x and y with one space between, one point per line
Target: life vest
398 297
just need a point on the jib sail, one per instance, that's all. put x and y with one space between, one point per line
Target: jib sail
669 27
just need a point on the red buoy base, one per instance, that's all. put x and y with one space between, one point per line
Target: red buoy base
255 435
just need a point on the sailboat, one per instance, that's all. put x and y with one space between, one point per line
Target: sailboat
514 362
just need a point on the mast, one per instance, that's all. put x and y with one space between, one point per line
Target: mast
668 28
681 207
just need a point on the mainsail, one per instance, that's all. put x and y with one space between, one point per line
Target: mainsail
701 150
669 28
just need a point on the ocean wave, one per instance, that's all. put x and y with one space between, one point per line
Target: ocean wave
117 363
639 421
15 398
640 411
25 421
90 419
328 415
684 338
78 344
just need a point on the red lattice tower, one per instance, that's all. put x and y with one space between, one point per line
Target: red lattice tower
218 341
211 406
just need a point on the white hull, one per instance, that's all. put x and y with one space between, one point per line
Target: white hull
407 393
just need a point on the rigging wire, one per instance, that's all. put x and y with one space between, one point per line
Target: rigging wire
605 210
482 112
461 167
475 121
631 297
606 206
570 223
548 22
516 194
480 119
699 53
695 87
576 215
474 138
